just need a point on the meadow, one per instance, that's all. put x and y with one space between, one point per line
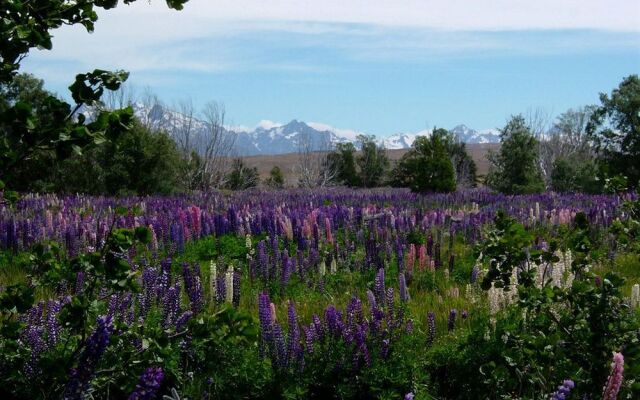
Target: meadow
316 294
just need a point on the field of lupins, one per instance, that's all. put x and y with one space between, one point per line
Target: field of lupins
321 294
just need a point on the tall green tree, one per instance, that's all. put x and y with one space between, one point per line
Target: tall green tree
343 160
373 162
427 167
515 168
615 128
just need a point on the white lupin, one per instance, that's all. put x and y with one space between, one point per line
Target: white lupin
635 296
213 276
229 285
334 266
323 268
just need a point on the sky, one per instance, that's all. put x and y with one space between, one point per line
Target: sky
380 67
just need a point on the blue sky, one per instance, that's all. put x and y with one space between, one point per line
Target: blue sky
381 67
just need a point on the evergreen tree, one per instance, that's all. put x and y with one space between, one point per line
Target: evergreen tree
515 167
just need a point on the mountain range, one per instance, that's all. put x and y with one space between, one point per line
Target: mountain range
270 138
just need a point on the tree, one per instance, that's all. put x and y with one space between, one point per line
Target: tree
314 168
57 126
615 129
139 162
567 157
343 161
515 167
463 165
241 177
215 144
372 160
427 167
276 179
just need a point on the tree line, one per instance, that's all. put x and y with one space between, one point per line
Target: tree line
164 151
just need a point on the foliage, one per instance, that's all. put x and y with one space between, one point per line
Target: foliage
241 177
615 128
276 178
28 129
137 162
575 174
552 332
567 155
427 167
343 159
372 162
514 168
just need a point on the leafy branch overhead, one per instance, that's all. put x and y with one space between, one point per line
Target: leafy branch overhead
54 125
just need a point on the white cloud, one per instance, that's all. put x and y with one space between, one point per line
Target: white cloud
230 35
618 15
267 124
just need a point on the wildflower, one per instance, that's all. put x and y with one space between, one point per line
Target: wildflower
228 284
635 296
404 291
452 319
95 346
431 321
563 390
614 382
149 384
378 287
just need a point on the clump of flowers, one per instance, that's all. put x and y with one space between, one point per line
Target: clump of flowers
563 390
149 384
614 382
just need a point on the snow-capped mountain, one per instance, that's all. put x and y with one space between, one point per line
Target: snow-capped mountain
271 138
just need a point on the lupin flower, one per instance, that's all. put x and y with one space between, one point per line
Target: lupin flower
379 289
410 326
149 384
213 276
371 298
563 390
181 322
404 291
294 350
635 296
236 288
193 285
614 382
228 285
281 356
452 319
95 346
171 305
431 322
384 351
474 274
